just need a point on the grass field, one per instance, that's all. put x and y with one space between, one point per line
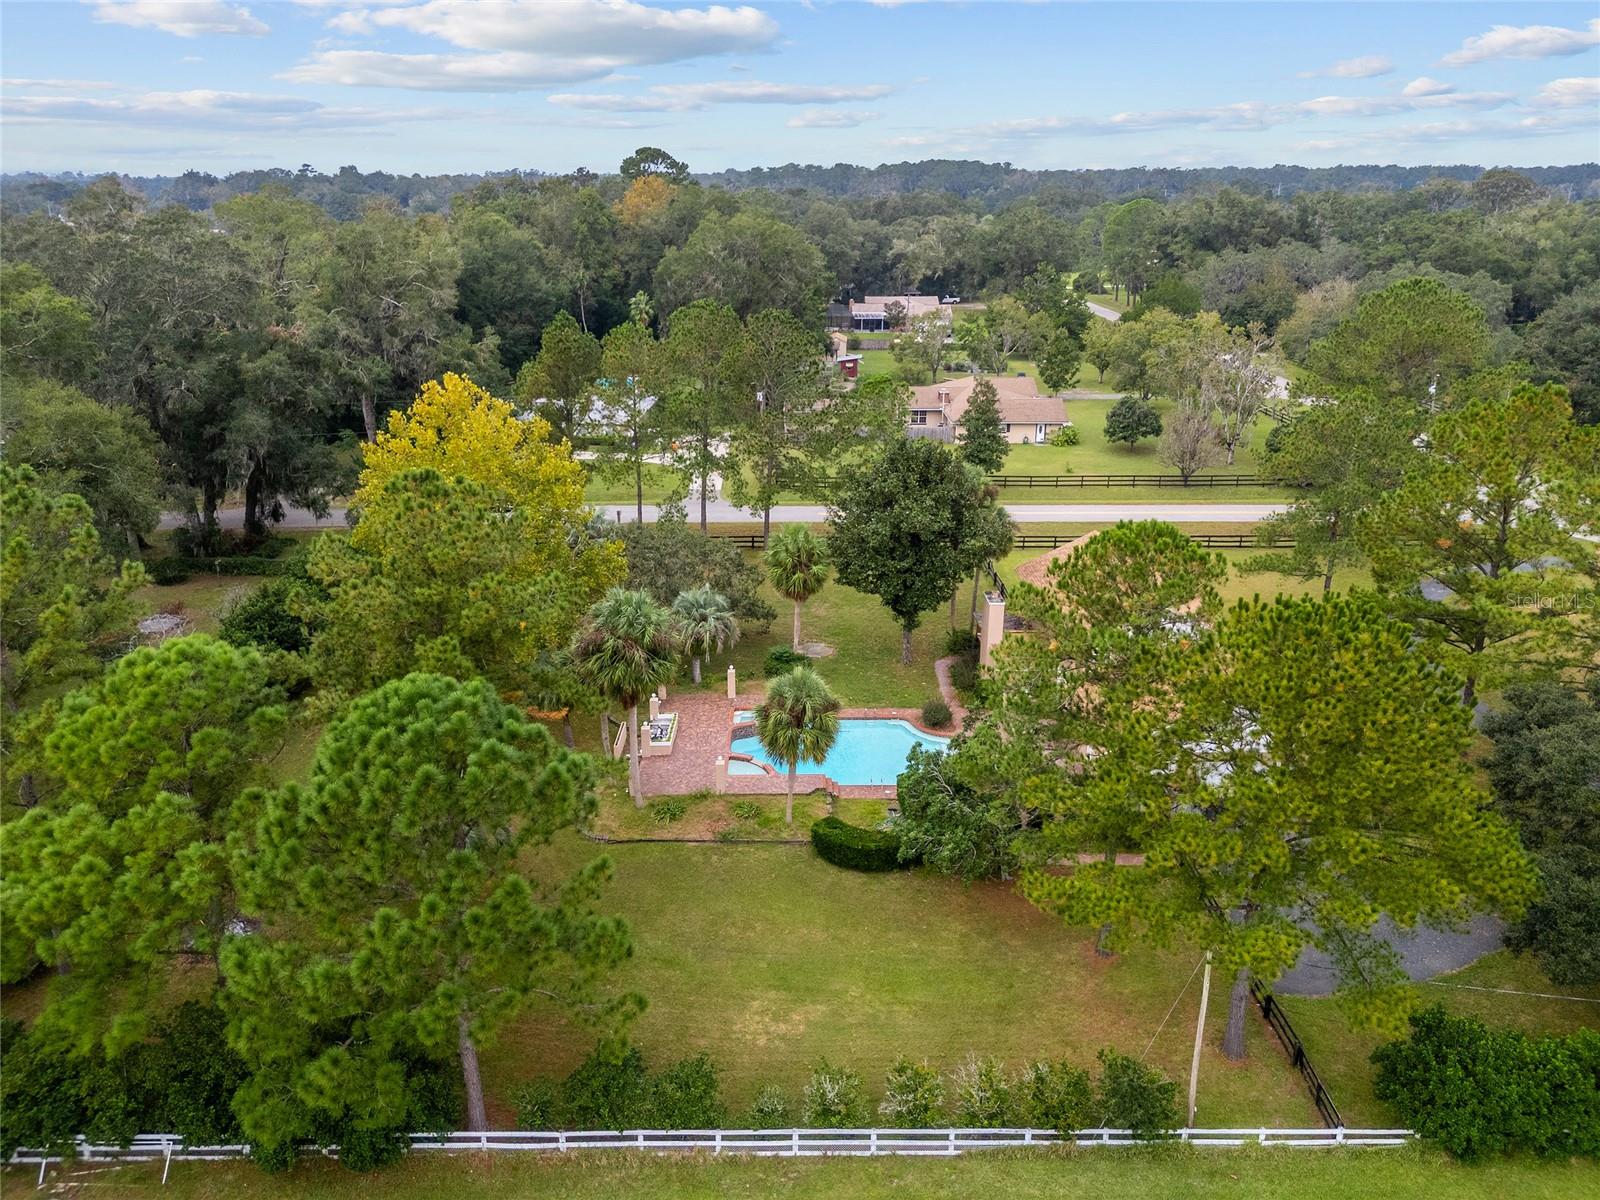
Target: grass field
1184 1173
768 959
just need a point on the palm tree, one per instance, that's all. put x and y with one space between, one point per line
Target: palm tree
705 622
798 719
625 648
797 566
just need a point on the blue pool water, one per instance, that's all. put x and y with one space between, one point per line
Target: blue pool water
867 751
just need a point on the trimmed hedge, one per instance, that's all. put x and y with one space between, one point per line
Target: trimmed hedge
169 570
854 848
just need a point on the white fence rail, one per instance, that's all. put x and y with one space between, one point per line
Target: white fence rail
169 1148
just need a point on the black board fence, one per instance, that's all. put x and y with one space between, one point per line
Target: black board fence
1281 1025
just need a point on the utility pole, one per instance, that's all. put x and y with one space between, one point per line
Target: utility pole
1199 1036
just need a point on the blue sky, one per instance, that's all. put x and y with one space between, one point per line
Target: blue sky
156 86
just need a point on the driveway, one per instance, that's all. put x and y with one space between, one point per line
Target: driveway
1424 953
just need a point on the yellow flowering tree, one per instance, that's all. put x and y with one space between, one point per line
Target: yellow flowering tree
457 428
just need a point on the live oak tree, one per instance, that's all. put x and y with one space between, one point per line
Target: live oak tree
982 438
121 863
900 530
1130 419
1299 771
1481 547
1342 455
64 607
399 918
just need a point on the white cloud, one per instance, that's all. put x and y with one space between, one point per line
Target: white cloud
1424 86
823 118
206 109
1524 41
506 72
72 85
514 45
185 18
682 97
1365 67
1577 92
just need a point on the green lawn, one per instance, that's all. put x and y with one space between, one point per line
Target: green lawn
659 483
767 958
202 600
1187 1173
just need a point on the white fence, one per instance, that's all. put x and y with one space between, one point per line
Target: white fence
169 1148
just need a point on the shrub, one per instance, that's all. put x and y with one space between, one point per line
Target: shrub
780 660
961 641
263 619
1130 419
1134 1097
1479 1091
668 809
852 342
686 1096
607 1090
746 810
538 1104
946 822
913 1095
936 714
368 1149
1067 435
964 675
167 571
833 1099
850 846
981 1094
1056 1096
771 1108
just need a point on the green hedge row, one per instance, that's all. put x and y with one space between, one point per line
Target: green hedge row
177 570
850 846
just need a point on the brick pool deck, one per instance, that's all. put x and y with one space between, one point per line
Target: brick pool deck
705 732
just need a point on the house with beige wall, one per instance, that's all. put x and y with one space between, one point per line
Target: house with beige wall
1026 417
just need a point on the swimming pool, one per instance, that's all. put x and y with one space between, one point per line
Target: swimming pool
868 750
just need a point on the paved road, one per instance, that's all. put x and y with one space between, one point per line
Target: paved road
1104 313
722 512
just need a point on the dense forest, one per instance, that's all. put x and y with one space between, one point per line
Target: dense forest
246 334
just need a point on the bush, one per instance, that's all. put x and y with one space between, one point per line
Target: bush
538 1104
852 342
833 1099
1134 1097
686 1096
780 660
1067 435
1056 1096
981 1094
746 810
913 1096
1479 1091
771 1108
950 825
857 849
607 1090
936 714
668 809
263 619
961 642
167 571
1130 419
964 675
